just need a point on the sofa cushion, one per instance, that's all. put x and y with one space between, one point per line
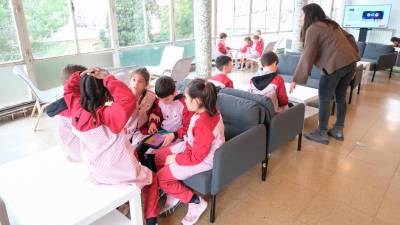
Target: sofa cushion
200 182
287 63
260 99
238 114
374 50
361 48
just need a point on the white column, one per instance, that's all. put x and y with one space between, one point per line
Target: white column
297 45
202 36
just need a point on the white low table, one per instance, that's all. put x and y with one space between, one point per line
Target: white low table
303 94
46 189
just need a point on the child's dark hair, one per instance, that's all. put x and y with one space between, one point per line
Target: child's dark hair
258 31
93 94
206 92
256 37
144 73
164 87
222 35
69 70
394 39
269 58
247 39
221 61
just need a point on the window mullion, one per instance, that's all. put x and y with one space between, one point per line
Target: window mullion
114 32
72 11
146 31
172 22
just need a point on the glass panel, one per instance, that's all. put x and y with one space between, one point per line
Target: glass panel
241 16
258 15
158 20
287 11
184 19
9 47
142 56
326 6
50 27
189 48
93 26
225 10
12 89
130 22
272 18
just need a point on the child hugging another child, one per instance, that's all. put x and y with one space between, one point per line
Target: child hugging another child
193 155
169 116
104 141
269 83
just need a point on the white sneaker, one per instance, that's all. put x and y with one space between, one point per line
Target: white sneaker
194 212
170 205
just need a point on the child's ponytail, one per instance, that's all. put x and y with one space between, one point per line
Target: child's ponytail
206 92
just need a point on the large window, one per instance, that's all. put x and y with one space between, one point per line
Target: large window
225 12
158 20
184 19
272 18
50 27
287 11
258 15
241 17
130 22
9 47
92 24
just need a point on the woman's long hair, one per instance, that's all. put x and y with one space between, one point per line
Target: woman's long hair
314 13
93 94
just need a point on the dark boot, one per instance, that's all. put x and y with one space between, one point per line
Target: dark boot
318 135
336 133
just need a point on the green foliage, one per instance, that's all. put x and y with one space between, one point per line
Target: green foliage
184 19
8 39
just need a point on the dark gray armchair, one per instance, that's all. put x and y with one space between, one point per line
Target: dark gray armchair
245 147
281 127
381 57
356 82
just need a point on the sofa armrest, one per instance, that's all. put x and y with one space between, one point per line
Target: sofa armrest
238 155
284 126
386 61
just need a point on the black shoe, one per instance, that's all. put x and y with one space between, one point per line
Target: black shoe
336 133
318 136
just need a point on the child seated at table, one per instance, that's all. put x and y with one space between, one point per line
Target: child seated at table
245 52
269 83
221 45
58 110
224 64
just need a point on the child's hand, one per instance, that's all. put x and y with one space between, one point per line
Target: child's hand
170 159
154 117
168 139
153 128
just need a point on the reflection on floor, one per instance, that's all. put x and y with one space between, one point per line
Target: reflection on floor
352 182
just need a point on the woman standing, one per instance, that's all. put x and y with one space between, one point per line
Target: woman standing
335 53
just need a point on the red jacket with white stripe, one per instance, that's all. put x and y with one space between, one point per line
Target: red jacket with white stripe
221 80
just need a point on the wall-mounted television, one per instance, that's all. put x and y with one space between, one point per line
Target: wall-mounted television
366 16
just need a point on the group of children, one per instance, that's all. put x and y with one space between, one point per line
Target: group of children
103 122
252 48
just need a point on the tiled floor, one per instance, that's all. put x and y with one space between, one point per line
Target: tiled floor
353 182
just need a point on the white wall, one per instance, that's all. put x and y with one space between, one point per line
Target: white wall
394 20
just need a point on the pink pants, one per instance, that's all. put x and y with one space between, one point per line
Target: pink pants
168 183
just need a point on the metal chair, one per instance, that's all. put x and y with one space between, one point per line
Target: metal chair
180 70
170 56
43 97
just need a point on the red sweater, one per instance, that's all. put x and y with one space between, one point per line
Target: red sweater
222 80
245 48
222 47
260 46
114 117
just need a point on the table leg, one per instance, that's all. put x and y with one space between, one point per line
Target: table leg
3 214
135 205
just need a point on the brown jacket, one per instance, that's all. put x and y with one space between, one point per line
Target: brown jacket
328 48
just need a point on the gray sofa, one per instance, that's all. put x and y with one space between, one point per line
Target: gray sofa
245 147
287 66
381 56
281 127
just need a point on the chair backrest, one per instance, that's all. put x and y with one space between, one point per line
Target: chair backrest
19 71
181 68
269 47
170 56
123 73
374 50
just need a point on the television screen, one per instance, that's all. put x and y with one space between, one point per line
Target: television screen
366 16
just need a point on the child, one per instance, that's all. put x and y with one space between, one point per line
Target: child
221 45
100 128
224 64
258 46
258 33
58 110
244 51
395 41
170 114
193 155
268 83
137 125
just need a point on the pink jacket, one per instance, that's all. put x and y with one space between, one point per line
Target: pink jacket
105 144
